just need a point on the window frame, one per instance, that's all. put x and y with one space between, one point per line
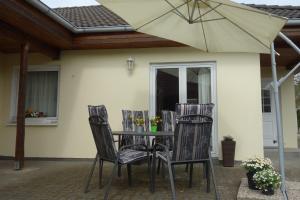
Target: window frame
48 121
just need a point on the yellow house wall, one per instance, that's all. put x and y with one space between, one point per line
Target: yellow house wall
288 107
101 77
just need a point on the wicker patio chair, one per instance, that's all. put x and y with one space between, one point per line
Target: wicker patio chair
194 109
106 150
191 145
128 125
168 125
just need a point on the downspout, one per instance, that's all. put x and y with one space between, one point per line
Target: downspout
49 12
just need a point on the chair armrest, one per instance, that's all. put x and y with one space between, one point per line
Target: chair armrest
166 148
133 145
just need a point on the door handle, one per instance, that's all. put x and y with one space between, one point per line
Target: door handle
274 141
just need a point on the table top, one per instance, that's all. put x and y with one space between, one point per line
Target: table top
145 133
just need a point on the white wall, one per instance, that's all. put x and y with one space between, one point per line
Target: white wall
101 77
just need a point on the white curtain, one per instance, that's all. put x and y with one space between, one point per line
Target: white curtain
41 92
204 85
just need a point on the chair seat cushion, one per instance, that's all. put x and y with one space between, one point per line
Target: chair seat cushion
163 154
130 155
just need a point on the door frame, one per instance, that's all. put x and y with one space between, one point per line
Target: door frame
182 66
265 81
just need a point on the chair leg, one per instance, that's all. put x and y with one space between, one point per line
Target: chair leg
171 180
90 174
213 177
204 169
207 175
158 166
110 180
191 175
174 173
100 172
149 172
163 170
129 174
153 174
186 168
119 170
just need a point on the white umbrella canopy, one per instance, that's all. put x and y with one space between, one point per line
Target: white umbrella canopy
208 25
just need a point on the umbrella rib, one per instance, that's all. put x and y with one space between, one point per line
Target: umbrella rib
244 30
176 9
160 16
212 9
255 10
194 7
188 9
203 29
209 20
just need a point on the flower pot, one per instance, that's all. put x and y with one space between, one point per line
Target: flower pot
139 129
268 191
251 183
154 129
228 151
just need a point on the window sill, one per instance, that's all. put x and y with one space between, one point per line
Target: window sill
36 122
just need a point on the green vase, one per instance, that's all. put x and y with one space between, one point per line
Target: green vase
154 129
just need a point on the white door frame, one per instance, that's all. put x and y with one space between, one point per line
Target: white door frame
264 82
183 91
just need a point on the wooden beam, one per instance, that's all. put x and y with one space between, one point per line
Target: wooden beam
120 40
20 137
12 33
19 14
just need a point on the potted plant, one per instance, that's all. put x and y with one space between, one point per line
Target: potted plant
228 151
267 181
154 123
254 165
139 122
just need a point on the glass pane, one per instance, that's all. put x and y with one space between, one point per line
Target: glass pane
198 85
266 101
41 94
267 109
167 89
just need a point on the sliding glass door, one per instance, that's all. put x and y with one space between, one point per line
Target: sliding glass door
181 83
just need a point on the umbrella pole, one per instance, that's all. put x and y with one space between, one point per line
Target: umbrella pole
278 123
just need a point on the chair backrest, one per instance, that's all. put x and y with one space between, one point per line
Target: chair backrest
192 141
102 132
168 125
192 138
128 125
196 109
168 120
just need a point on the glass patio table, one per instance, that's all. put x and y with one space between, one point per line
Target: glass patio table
145 133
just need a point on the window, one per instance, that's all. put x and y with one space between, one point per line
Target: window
266 101
41 101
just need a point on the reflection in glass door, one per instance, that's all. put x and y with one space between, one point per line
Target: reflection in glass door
167 89
198 85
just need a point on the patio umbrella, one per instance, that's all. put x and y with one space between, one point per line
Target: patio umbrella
211 26
208 25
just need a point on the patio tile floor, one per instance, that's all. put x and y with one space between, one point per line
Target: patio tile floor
64 180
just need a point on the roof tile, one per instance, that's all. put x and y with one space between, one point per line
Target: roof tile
100 16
